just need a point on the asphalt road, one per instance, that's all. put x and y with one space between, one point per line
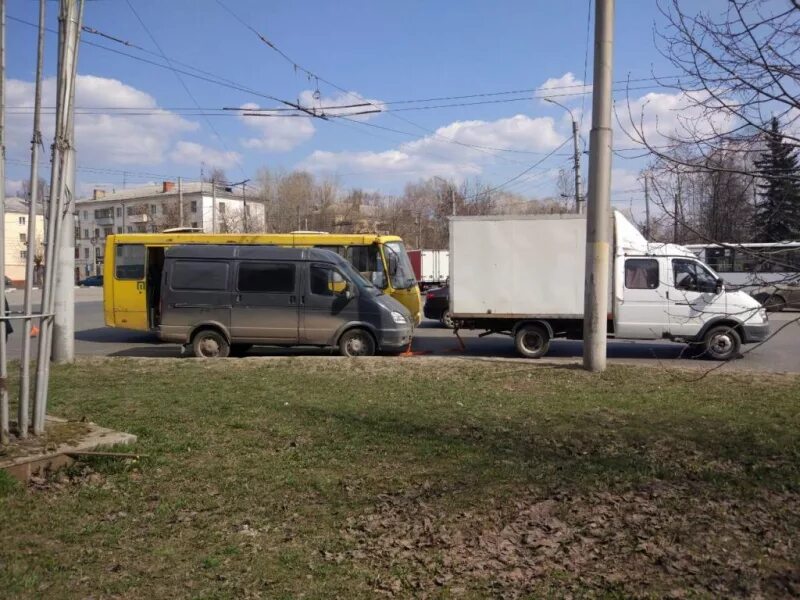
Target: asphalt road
92 338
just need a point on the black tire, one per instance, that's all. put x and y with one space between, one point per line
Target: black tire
447 319
357 342
775 303
210 343
240 350
721 343
532 341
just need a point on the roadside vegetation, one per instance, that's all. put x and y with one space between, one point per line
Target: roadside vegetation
327 477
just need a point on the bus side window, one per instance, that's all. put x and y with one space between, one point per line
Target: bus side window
129 261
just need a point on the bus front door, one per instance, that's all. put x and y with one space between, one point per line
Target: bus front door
130 287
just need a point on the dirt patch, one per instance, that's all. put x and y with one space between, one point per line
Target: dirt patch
660 539
57 433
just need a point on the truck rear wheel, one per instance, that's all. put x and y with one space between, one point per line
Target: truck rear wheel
722 343
532 341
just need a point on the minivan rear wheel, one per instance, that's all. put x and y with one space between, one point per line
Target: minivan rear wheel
209 343
357 342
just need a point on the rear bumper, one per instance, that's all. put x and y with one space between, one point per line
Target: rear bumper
396 339
755 333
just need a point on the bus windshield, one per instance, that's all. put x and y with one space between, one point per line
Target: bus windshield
401 274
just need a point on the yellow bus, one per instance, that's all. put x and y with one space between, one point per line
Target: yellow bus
134 262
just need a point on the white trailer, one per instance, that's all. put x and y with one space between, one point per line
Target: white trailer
431 267
523 276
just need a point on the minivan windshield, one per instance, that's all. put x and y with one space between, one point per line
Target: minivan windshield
361 282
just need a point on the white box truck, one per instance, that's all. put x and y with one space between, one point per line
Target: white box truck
431 267
523 276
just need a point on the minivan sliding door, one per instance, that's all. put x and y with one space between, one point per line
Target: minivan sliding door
265 306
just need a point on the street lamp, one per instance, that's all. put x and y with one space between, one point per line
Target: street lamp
577 156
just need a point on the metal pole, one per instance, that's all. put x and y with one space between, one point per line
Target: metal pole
4 425
244 203
646 207
578 199
64 307
676 210
180 202
213 207
595 324
36 141
453 199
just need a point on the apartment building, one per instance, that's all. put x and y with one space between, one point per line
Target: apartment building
152 208
16 240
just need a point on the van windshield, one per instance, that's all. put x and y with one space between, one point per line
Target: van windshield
401 273
361 282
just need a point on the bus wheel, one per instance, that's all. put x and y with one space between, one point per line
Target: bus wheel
356 342
209 343
447 319
722 343
532 341
774 303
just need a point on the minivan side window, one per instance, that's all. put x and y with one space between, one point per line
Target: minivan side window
199 275
326 281
275 278
129 261
641 274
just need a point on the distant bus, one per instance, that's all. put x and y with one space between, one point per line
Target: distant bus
134 263
748 266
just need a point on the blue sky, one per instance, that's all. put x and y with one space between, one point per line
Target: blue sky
380 51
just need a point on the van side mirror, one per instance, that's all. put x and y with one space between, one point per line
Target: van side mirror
720 286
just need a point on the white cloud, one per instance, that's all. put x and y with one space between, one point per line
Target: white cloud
13 187
101 136
458 150
276 134
349 100
562 88
191 153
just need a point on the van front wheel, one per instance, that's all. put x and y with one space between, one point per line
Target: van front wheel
208 343
356 342
722 343
532 341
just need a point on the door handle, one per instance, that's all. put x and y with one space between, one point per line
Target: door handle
683 303
292 299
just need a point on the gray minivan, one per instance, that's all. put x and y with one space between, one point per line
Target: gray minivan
223 299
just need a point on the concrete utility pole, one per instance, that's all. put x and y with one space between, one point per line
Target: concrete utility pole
598 234
64 306
676 211
579 204
213 206
36 141
453 199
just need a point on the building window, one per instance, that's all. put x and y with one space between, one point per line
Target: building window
104 213
130 229
86 253
194 206
119 229
119 211
154 208
22 220
221 208
96 233
194 224
86 234
77 252
108 231
85 214
23 238
23 254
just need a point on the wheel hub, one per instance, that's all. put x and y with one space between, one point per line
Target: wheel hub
722 343
209 347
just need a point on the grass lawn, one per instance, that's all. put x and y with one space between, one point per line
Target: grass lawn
327 477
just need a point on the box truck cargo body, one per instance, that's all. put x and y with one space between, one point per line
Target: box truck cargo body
431 267
523 276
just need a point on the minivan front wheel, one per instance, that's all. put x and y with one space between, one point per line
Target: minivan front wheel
722 343
357 342
209 343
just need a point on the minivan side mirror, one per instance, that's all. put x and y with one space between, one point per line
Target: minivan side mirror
720 286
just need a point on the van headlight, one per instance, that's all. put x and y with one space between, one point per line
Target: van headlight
398 318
